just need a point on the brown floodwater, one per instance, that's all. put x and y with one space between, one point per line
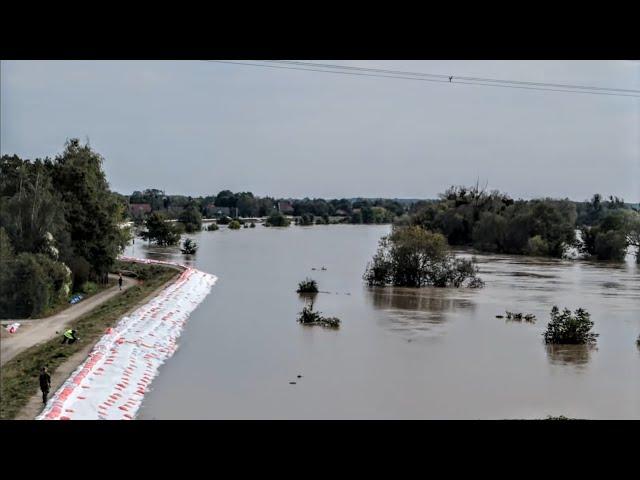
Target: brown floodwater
400 353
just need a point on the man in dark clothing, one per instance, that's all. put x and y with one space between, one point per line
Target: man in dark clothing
120 281
69 336
45 384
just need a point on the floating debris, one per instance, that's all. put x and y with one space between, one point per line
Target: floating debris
518 317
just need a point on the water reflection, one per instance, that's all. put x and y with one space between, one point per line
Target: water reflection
438 300
575 355
417 310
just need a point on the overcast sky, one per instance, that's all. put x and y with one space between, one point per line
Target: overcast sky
199 127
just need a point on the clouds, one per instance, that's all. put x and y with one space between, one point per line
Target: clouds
199 127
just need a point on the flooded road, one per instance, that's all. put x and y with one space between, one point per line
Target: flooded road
400 353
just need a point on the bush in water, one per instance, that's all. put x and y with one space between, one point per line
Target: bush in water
234 225
189 247
309 317
277 219
308 286
567 328
414 257
252 225
213 227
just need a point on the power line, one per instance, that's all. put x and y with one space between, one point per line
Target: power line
479 79
438 79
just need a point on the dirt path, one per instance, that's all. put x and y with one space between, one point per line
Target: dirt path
33 332
33 408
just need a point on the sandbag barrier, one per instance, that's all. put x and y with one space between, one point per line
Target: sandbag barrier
111 383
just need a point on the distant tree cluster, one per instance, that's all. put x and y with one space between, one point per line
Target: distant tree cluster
607 229
492 221
247 205
60 227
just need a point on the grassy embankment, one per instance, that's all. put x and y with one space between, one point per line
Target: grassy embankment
19 377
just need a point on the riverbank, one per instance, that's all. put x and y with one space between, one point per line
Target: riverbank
113 380
35 331
19 376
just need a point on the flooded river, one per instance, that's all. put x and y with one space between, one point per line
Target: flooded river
400 353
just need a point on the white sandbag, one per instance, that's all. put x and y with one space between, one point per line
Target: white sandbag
113 380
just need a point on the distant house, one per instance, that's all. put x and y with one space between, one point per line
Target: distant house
342 213
139 209
212 210
285 207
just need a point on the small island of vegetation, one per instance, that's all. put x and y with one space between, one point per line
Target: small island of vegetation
570 329
415 257
308 286
310 317
189 247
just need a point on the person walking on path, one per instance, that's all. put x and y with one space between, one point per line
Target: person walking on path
45 384
69 336
120 281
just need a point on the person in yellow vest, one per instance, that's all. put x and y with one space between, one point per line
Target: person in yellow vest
69 336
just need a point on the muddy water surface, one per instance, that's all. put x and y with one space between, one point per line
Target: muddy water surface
400 353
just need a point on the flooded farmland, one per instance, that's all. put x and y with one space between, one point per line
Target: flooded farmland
400 353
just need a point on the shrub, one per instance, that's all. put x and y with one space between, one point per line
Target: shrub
189 247
89 288
567 328
213 227
610 245
191 219
306 219
308 317
234 225
80 270
252 225
308 286
30 284
537 246
277 219
414 257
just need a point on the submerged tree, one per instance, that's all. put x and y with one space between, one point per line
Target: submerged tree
414 257
189 247
160 231
277 219
191 219
568 328
310 317
308 286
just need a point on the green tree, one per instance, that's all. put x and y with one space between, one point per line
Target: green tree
489 232
414 257
30 284
277 219
93 214
159 231
568 328
191 219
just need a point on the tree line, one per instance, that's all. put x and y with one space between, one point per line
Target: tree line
492 221
248 205
59 228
